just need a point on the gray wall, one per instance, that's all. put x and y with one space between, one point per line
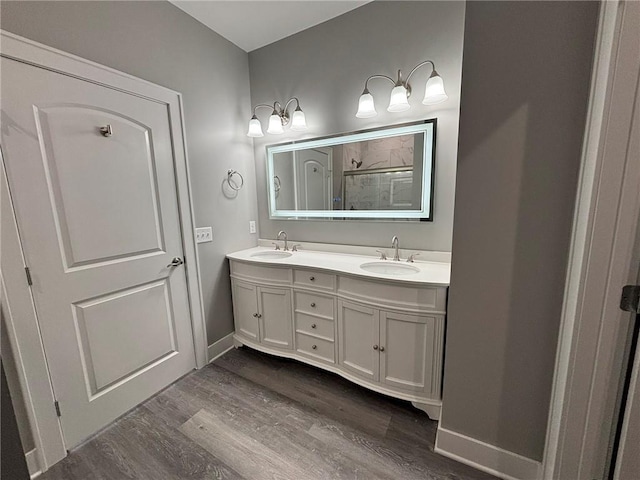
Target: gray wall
326 66
526 74
158 42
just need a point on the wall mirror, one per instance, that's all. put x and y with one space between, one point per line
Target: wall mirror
383 173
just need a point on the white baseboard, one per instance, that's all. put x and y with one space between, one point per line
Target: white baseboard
220 347
32 464
485 457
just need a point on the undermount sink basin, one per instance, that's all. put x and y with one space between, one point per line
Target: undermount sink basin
271 255
390 268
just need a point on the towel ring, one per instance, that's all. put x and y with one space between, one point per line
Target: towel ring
230 174
277 185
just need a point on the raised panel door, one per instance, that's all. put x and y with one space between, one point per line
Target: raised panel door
406 356
245 309
358 336
275 317
99 221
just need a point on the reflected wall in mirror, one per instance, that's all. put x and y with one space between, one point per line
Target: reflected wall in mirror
380 173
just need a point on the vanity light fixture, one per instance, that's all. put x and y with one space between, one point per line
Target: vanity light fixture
278 120
399 99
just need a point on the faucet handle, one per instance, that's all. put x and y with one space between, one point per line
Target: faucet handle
383 254
412 257
295 247
277 246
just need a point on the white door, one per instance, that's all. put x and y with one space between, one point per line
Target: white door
98 217
275 317
245 309
313 179
359 336
406 351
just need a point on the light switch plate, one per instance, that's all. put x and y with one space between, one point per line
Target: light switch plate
204 234
252 226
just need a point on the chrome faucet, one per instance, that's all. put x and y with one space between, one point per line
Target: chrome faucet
395 244
282 233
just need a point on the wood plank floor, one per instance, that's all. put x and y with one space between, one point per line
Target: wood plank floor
253 416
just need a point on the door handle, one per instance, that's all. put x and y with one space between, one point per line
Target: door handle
176 262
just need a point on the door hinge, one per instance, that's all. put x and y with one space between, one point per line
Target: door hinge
28 273
57 405
630 299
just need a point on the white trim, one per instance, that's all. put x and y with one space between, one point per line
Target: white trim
585 383
42 56
32 463
26 342
220 347
485 457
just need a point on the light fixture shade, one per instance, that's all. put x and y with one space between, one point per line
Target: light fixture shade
398 101
275 124
298 121
434 91
366 108
255 129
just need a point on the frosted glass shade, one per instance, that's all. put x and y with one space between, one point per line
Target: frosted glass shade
275 125
255 129
298 121
398 101
434 91
366 108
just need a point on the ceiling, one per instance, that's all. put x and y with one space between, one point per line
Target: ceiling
254 24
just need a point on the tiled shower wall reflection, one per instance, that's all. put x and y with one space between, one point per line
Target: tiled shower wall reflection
378 190
379 153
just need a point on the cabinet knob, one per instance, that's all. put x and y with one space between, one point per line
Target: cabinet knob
382 349
260 316
313 325
313 279
314 346
255 315
313 304
375 347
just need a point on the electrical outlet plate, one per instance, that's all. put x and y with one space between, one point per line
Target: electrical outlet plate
204 234
252 226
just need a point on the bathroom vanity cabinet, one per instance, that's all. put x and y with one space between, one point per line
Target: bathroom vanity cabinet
382 334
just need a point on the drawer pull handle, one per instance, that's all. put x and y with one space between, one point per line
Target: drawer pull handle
313 304
375 347
314 346
313 279
381 348
313 325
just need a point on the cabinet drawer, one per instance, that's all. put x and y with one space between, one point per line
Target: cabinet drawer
315 347
314 326
314 304
379 294
260 273
309 278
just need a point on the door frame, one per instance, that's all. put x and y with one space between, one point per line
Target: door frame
600 260
25 335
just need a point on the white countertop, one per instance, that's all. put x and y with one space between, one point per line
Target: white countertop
431 273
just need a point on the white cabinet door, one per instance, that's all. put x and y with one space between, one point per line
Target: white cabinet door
406 351
358 334
275 317
245 309
99 220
